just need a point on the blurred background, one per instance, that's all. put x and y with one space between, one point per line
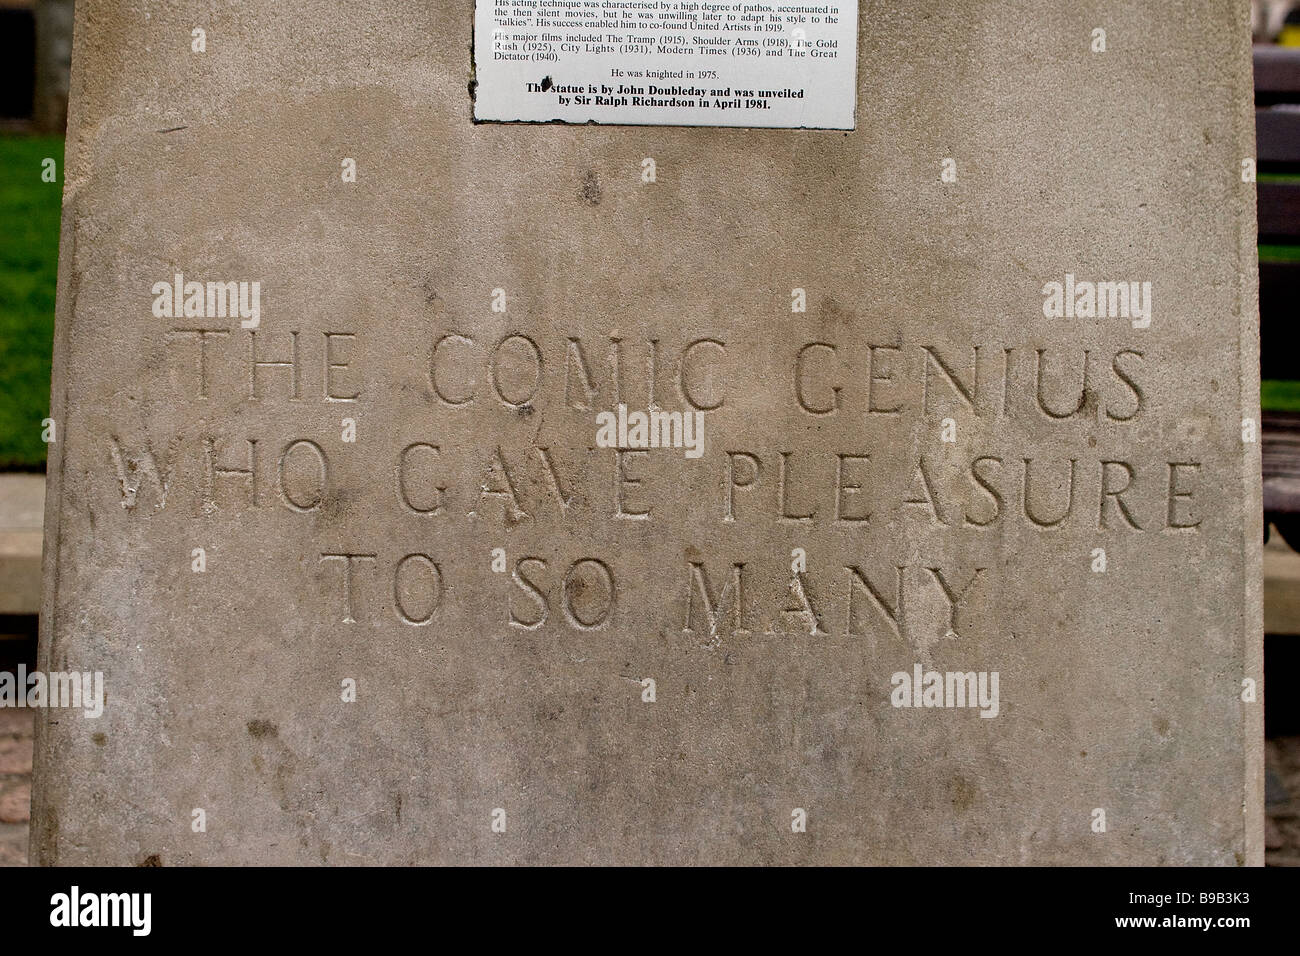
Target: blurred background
35 51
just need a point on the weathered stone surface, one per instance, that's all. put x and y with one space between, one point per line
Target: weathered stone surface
1119 690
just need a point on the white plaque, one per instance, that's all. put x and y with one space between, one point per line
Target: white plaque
667 62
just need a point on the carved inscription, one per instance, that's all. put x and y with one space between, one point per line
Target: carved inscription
856 486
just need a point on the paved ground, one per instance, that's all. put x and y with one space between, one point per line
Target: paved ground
15 784
22 506
1281 588
1282 835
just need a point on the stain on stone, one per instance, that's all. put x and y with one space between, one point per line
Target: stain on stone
961 793
99 739
44 833
832 312
263 728
547 716
590 192
153 859
281 781
431 296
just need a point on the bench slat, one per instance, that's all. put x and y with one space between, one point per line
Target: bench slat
1277 134
1280 437
1279 212
1277 68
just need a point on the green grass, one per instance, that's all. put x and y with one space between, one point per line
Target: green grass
1276 253
1278 396
29 254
